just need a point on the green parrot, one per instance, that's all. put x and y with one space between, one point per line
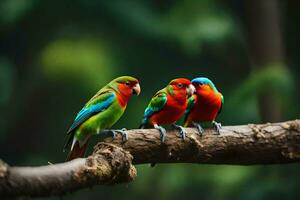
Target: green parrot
101 112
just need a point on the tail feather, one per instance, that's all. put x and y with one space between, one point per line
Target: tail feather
144 123
68 141
77 151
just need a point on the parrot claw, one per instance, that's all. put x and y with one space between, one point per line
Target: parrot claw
162 132
114 134
217 126
122 132
199 128
182 131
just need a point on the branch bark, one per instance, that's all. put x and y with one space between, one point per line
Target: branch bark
271 143
108 164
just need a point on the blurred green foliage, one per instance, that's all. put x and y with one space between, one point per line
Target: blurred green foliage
93 64
13 10
54 55
189 23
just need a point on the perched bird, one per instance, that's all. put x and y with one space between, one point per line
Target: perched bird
168 105
101 112
204 106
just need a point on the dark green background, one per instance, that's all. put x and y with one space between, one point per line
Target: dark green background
54 55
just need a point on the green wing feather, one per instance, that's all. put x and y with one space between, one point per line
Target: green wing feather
157 102
191 103
96 104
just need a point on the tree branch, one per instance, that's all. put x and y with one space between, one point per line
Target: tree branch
242 145
108 164
270 143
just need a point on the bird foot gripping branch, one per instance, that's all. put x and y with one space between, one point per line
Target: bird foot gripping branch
199 128
182 131
122 132
217 126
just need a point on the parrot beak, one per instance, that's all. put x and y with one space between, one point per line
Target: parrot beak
136 89
190 90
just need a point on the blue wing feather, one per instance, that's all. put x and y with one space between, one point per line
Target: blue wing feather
90 110
148 113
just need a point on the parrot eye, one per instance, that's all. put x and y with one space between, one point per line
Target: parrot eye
180 85
200 84
127 83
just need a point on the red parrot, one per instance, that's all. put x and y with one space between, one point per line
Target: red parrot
204 105
168 105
